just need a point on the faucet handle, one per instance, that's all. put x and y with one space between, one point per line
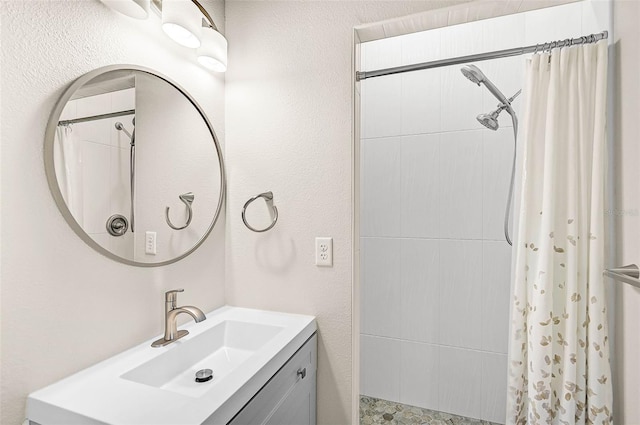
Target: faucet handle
172 296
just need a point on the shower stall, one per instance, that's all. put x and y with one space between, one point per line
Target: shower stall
438 176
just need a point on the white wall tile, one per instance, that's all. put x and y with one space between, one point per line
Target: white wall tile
419 375
421 47
595 16
123 100
420 306
98 131
421 101
380 286
383 53
119 182
460 382
494 387
94 105
505 32
380 367
460 293
551 24
419 186
461 101
461 40
496 285
122 245
497 156
381 106
101 238
69 111
381 197
460 185
96 174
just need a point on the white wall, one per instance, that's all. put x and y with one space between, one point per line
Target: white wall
289 129
435 266
64 306
627 207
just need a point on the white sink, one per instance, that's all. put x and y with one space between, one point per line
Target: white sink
244 348
222 348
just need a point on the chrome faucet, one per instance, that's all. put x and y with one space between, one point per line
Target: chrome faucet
171 333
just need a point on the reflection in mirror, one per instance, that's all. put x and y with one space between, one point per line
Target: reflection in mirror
127 145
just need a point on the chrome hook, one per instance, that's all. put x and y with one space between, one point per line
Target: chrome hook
268 198
187 198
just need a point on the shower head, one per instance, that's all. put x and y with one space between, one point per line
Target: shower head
490 120
476 76
473 74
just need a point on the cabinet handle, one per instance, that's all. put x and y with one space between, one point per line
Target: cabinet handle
302 373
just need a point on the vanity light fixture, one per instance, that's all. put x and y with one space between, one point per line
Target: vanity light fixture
212 53
138 9
186 22
181 22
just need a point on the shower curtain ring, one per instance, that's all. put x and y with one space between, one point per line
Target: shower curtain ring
187 199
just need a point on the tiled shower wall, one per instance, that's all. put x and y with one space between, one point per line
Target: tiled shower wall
434 263
102 154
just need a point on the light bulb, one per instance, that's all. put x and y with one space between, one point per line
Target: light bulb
181 21
212 54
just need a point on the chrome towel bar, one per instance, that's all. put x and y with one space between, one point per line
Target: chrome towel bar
628 274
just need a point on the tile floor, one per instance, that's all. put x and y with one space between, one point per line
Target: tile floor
374 411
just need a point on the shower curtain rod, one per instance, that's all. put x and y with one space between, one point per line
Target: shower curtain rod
592 38
98 117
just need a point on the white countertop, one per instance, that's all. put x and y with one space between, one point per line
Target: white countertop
99 395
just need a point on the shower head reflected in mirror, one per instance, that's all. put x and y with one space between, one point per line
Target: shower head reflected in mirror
120 127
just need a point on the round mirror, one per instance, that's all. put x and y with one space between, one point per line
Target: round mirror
134 165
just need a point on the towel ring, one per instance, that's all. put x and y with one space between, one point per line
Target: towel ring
187 198
268 197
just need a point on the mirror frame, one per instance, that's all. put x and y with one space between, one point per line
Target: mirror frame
52 179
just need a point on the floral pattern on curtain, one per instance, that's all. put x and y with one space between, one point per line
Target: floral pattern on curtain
559 369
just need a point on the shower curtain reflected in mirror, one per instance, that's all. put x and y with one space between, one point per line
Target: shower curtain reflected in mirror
68 159
559 346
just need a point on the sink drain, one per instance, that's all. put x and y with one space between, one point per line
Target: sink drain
204 375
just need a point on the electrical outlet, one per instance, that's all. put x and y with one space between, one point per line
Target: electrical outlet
324 252
150 243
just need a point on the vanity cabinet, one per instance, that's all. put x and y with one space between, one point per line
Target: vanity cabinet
264 365
289 397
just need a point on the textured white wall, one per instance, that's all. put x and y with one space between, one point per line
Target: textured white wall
627 212
289 130
65 306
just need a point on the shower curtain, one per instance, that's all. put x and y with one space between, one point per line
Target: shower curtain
559 369
68 166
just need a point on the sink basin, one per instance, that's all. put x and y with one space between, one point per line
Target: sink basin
222 349
243 347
